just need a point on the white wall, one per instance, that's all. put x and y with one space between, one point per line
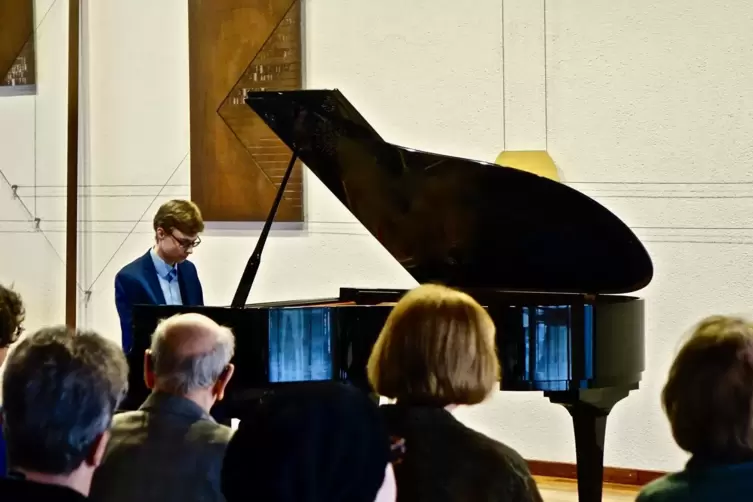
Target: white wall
32 146
646 112
140 139
646 98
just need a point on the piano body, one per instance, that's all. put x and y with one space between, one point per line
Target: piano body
551 265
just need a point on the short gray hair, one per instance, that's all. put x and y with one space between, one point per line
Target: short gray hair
60 391
179 373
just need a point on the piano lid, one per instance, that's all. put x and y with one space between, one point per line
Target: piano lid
457 221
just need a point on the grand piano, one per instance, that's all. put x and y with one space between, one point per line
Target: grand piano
552 266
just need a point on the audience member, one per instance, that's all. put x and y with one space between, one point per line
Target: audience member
60 390
435 352
313 442
708 399
171 449
12 315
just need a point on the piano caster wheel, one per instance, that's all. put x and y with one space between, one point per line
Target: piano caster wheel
589 409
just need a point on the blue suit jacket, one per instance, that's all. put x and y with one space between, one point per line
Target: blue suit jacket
137 284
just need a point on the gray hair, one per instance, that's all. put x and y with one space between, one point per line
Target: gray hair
60 391
181 374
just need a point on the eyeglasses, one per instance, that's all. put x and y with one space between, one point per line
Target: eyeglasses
186 243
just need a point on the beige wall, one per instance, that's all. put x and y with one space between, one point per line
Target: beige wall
32 147
647 112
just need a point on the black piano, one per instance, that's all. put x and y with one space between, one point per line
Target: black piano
550 264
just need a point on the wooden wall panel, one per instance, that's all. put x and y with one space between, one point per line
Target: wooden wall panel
236 161
17 63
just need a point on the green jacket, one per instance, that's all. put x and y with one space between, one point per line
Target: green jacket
700 482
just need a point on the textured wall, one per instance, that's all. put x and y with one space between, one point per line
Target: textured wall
647 111
32 154
647 114
140 140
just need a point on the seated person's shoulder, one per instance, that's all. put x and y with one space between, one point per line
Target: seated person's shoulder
128 420
209 432
492 450
506 458
224 434
221 433
500 469
128 272
669 488
214 427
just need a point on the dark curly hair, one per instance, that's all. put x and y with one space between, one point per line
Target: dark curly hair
12 315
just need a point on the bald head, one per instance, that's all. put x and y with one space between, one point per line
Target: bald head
189 353
188 334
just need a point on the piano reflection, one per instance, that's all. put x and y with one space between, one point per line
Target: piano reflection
550 264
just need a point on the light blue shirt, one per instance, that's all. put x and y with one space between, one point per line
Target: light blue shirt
168 280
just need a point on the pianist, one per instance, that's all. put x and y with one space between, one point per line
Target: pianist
162 276
435 352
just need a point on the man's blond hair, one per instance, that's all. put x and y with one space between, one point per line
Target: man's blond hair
181 215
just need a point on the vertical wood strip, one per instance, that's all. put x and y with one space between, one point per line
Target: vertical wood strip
71 227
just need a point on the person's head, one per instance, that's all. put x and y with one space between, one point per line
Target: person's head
437 348
708 397
311 442
12 314
190 357
177 226
60 390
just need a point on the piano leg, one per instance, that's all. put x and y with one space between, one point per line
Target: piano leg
589 409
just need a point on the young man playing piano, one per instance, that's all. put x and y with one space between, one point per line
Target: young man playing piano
163 275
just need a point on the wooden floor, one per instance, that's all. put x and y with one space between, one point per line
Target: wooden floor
565 490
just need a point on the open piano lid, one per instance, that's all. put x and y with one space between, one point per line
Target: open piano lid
460 222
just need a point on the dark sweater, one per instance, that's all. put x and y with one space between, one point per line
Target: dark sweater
18 490
703 482
3 454
445 461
